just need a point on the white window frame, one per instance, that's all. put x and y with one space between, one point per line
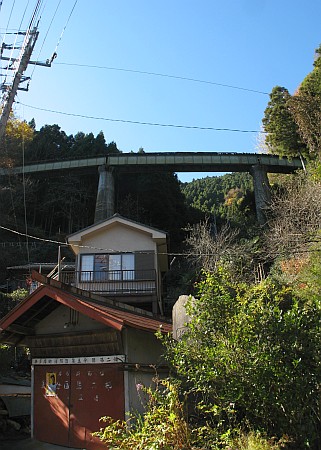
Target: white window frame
121 266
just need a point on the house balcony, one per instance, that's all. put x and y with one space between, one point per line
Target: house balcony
113 282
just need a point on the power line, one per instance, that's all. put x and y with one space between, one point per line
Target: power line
177 77
51 241
24 200
44 40
136 122
8 20
64 29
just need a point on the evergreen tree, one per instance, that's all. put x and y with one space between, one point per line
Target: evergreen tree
50 142
305 107
312 82
282 136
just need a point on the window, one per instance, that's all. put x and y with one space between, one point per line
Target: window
100 263
103 267
115 267
128 265
87 268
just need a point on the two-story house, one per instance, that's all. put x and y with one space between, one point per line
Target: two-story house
122 259
91 332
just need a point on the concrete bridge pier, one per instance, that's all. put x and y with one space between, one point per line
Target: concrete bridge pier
262 191
105 201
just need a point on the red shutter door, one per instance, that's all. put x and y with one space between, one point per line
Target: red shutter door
69 411
51 412
97 390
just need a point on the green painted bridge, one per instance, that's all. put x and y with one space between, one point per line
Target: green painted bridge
168 161
258 165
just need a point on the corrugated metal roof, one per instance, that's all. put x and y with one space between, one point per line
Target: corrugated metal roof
111 316
138 321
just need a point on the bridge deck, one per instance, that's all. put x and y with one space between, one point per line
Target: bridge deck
169 161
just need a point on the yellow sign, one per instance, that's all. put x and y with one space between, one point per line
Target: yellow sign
51 384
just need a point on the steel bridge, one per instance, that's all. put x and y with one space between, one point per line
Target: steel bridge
167 162
258 165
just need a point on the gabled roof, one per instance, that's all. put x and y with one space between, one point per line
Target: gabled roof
21 321
103 225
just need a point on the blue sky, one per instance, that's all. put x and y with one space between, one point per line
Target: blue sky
250 44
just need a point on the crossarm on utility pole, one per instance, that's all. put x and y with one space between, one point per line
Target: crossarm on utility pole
24 61
35 63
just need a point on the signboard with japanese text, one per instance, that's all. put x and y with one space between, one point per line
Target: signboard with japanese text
111 359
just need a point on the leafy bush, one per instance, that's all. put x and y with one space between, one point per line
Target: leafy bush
254 441
250 359
161 427
164 426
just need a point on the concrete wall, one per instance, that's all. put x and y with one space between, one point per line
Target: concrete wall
142 348
105 201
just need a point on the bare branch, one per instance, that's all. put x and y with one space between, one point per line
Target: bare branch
206 248
295 218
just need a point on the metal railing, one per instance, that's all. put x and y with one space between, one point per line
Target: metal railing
113 282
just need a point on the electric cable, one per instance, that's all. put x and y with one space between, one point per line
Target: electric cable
26 37
11 191
7 27
6 74
35 14
64 29
52 241
177 77
136 122
45 38
66 244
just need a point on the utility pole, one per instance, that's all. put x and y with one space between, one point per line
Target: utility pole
22 61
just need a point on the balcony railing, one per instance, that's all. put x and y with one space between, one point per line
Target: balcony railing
113 282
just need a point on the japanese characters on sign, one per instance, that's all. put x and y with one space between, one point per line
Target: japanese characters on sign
80 360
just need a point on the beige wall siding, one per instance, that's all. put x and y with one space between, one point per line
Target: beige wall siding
118 239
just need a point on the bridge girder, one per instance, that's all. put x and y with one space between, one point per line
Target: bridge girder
256 164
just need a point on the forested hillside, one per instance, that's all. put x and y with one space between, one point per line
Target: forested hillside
225 198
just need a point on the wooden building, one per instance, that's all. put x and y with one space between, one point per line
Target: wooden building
90 344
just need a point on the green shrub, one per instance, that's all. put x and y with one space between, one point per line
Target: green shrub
161 427
250 359
254 441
